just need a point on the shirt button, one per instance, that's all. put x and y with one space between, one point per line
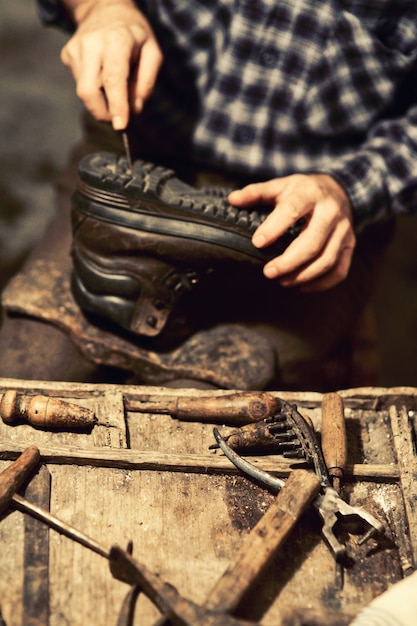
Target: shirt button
269 57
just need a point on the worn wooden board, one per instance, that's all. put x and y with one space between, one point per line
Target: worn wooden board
151 479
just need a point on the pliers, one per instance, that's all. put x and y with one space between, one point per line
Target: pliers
329 505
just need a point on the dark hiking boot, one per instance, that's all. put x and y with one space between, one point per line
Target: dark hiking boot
144 242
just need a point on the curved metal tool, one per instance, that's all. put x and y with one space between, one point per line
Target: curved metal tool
328 503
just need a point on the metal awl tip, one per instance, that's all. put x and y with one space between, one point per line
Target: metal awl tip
127 150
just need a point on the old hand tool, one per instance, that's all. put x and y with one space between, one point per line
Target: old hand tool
330 507
175 609
333 437
264 540
234 408
181 611
13 477
283 433
256 552
127 150
11 480
44 412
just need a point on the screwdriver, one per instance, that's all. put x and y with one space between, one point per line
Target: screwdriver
333 437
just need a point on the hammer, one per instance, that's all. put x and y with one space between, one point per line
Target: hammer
11 480
165 596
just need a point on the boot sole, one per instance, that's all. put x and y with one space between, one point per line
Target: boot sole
152 199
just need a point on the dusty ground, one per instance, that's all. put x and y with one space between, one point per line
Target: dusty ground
39 124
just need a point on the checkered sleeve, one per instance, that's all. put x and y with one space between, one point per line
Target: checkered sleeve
381 176
373 87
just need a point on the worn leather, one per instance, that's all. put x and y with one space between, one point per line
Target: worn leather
144 244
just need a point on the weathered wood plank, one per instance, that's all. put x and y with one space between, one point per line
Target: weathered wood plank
407 463
188 510
192 463
36 555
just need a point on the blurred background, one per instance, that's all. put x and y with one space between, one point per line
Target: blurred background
39 115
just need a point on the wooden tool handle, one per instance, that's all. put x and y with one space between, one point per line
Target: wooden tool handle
264 540
44 411
13 477
333 434
240 407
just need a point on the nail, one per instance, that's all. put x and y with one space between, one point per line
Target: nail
118 123
138 105
270 271
258 240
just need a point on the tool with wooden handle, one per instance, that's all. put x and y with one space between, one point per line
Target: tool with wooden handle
329 505
235 408
333 437
182 611
258 548
45 412
264 541
13 477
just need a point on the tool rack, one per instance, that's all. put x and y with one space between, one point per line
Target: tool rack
151 479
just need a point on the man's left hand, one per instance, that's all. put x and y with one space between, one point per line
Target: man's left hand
321 255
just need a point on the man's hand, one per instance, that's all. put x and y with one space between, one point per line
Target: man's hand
113 56
320 256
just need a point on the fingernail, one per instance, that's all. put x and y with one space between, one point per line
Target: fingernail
258 241
138 105
270 271
117 123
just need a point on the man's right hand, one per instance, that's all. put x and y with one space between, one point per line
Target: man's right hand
113 56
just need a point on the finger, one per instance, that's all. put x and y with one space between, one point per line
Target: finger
148 66
309 244
334 259
334 277
262 193
286 213
115 75
84 61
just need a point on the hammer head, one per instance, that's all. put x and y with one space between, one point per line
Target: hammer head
13 477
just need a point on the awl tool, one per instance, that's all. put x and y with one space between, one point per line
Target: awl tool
127 150
45 412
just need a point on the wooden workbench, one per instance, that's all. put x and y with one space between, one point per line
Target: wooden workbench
151 479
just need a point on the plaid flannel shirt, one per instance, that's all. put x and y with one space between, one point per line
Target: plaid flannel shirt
266 88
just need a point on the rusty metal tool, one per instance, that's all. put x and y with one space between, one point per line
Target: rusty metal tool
234 408
264 540
333 437
257 437
284 432
175 609
44 412
330 507
183 612
127 149
255 554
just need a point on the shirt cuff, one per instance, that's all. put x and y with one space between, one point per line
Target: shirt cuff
362 176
